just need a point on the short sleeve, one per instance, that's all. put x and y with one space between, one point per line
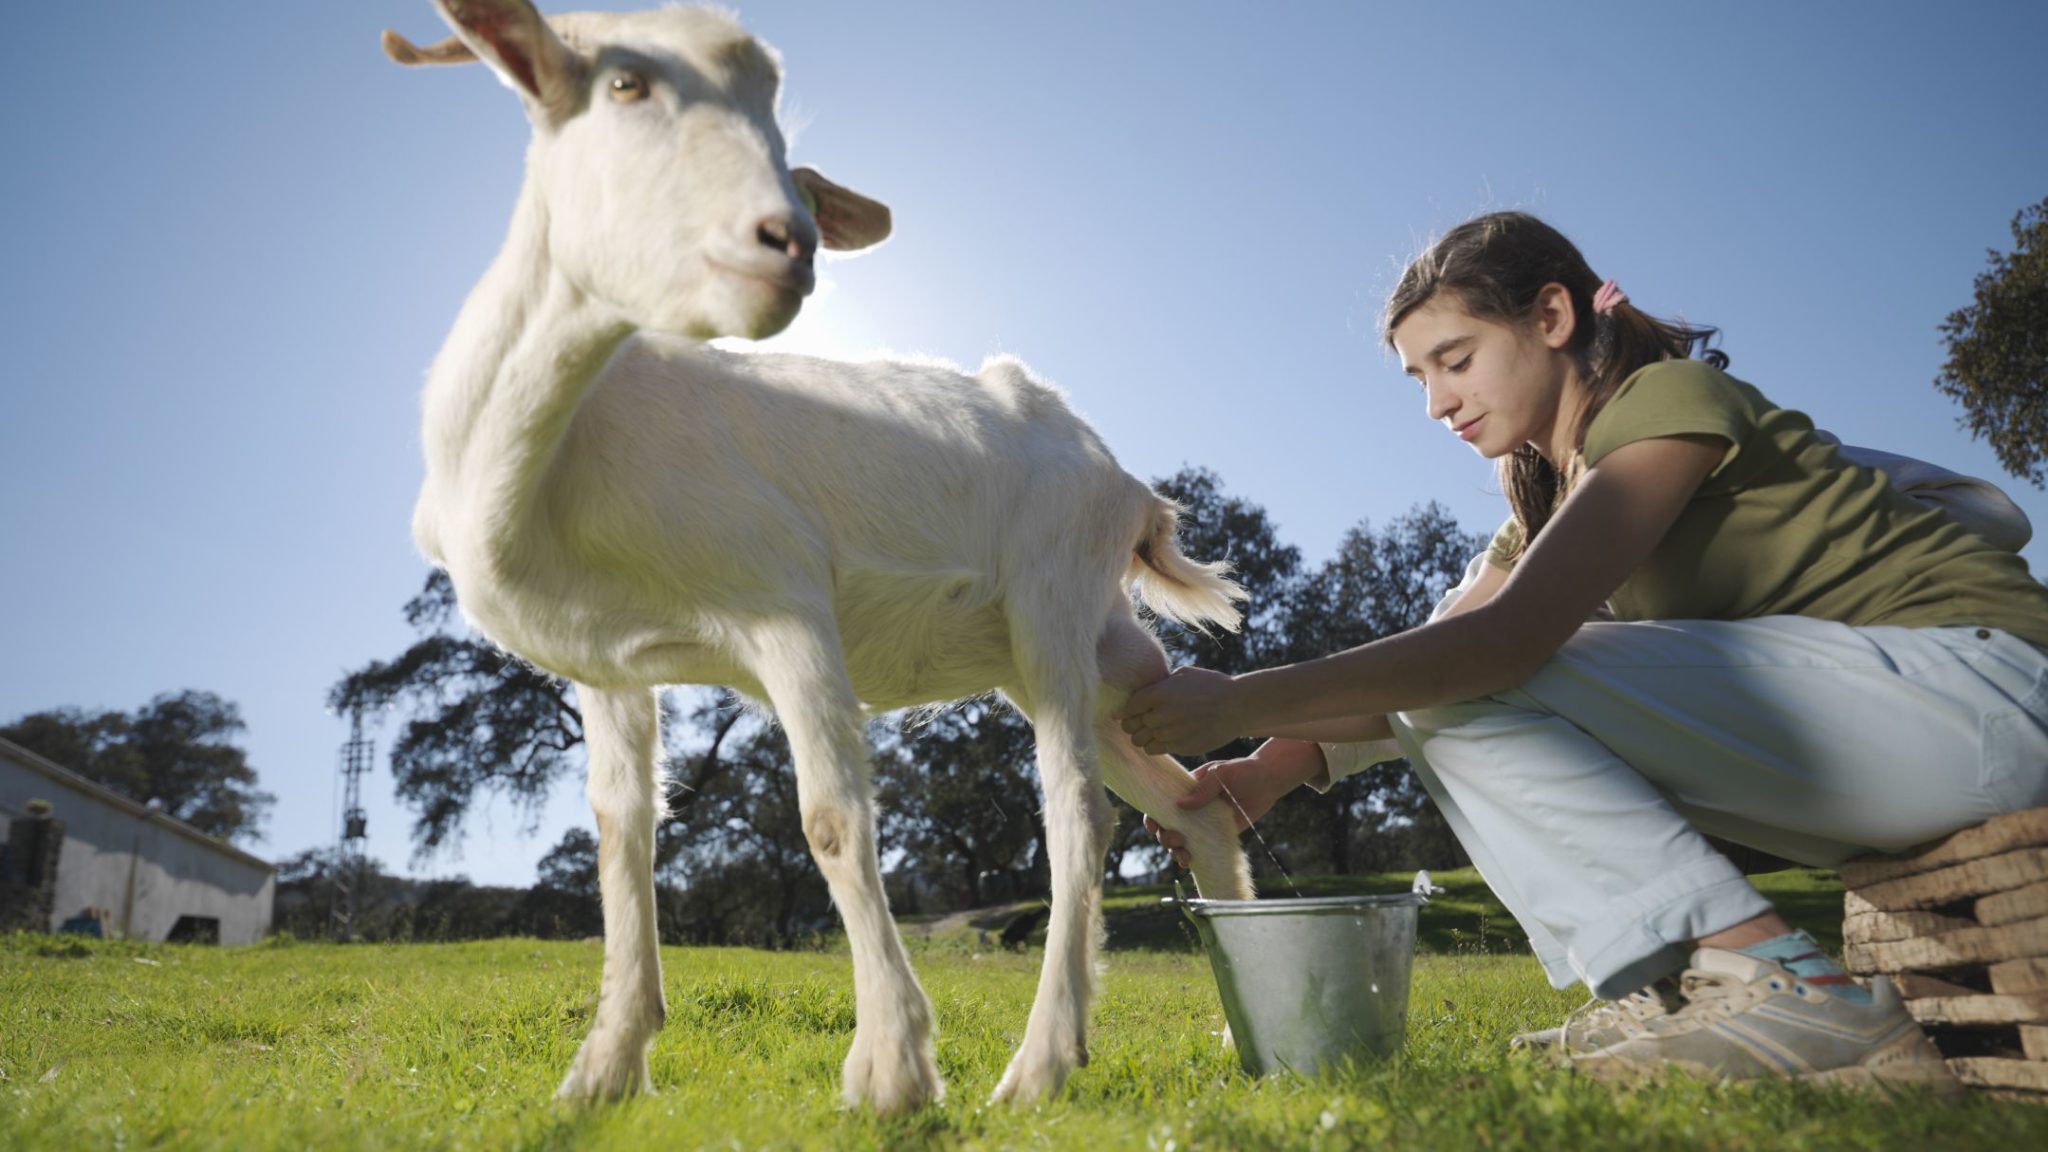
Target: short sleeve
1343 760
1506 547
1672 398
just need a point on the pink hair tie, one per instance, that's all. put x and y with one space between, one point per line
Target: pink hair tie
1607 297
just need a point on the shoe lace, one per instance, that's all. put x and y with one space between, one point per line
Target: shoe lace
1564 1034
1639 1006
1709 991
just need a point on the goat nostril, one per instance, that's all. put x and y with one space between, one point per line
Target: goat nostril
780 234
788 236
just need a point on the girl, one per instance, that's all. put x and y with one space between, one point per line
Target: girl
1800 660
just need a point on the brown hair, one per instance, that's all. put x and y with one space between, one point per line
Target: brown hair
1496 265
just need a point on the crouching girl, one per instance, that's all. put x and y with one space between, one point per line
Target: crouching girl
1795 657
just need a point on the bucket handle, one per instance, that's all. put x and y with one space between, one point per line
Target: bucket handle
1180 900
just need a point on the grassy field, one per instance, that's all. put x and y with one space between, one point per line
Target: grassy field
284 1045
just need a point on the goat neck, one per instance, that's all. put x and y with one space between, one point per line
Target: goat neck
502 392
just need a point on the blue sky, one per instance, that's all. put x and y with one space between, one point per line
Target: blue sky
236 235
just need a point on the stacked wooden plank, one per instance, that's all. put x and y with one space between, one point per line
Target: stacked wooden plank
1962 930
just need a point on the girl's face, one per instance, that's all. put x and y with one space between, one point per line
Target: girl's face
1495 386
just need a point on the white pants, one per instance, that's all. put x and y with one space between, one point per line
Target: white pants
1583 795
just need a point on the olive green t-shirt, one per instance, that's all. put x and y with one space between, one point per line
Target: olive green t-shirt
1785 525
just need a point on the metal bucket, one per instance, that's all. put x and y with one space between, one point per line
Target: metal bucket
1306 983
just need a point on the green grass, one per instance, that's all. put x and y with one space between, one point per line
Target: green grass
112 1045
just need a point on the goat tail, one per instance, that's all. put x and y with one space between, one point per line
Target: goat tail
1195 594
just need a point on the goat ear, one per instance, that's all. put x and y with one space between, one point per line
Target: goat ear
449 51
847 220
519 46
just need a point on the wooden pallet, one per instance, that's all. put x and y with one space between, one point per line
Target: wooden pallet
1961 928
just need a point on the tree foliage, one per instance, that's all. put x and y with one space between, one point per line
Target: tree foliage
570 867
735 838
389 907
1377 584
1998 350
176 754
1219 526
481 720
957 796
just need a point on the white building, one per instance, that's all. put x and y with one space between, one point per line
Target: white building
151 874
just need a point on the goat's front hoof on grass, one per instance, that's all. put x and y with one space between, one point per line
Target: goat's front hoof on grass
1037 1072
891 1073
607 1067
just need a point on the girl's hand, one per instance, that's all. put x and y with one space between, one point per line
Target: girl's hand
1254 784
1189 712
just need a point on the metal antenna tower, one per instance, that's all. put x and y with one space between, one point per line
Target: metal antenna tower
355 828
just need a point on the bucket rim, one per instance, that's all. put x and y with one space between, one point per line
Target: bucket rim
1309 904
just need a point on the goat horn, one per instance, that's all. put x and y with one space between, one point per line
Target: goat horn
449 51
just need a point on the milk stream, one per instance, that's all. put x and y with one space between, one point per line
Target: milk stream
1263 846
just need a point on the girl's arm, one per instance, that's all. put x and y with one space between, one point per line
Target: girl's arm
1359 729
1615 515
1347 730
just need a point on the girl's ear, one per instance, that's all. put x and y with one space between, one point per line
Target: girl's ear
1556 319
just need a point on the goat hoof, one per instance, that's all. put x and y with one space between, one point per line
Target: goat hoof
891 1074
1034 1078
607 1067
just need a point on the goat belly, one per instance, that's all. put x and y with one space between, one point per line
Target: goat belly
917 637
679 661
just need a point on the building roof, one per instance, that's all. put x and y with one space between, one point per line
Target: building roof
108 796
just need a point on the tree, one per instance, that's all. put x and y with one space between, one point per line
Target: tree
396 908
482 720
1998 351
305 896
1377 584
1380 583
570 867
565 901
740 845
175 754
94 745
957 796
1218 526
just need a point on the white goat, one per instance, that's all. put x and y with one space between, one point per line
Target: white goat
627 508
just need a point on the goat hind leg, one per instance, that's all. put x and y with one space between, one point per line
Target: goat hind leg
623 730
1130 657
891 1064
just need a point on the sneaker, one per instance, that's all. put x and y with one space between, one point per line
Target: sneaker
1746 1018
1611 1022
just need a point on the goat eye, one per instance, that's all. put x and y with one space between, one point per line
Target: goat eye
629 88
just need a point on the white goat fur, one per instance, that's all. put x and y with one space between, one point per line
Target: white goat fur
627 507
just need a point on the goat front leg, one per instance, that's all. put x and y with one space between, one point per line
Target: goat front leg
1078 823
890 1066
623 731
